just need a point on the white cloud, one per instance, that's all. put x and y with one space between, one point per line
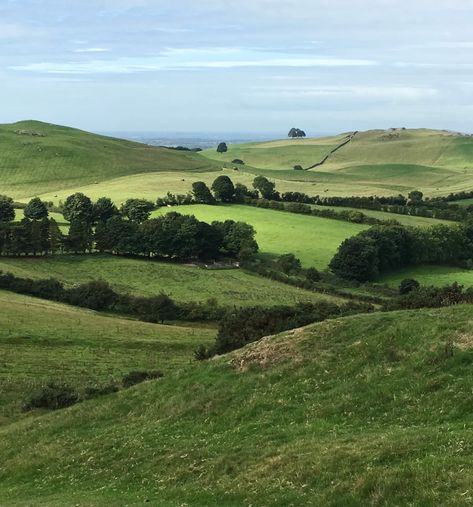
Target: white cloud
91 50
175 59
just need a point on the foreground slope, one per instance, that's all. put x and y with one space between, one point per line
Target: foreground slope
42 341
37 157
366 410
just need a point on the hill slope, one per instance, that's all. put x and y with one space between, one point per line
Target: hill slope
365 410
37 157
372 162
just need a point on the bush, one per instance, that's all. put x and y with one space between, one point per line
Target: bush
96 295
238 161
53 397
408 285
312 274
289 264
298 168
136 377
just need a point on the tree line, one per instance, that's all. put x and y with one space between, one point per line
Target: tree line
102 226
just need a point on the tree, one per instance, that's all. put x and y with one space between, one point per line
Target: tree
36 209
80 237
415 198
202 193
137 210
265 187
78 207
356 259
222 148
7 211
237 237
223 189
312 275
298 168
289 264
104 209
242 191
296 133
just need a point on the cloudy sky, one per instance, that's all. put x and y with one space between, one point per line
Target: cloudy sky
238 65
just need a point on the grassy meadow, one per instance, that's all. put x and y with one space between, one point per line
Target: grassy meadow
313 240
184 283
437 276
289 420
42 341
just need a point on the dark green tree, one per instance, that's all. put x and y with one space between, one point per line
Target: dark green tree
104 209
137 210
265 187
296 133
36 209
202 193
289 264
222 148
223 189
78 207
7 211
415 198
408 285
80 237
356 259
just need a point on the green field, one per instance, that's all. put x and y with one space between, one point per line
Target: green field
365 410
313 240
184 283
67 158
42 341
437 276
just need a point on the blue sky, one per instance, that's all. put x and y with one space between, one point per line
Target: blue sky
259 66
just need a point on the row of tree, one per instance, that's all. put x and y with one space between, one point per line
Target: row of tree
171 236
384 248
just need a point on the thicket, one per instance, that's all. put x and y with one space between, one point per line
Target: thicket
384 248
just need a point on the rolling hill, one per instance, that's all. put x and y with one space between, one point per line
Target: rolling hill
37 157
363 410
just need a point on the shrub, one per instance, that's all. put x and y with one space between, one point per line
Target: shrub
312 274
136 377
53 397
298 168
238 161
408 285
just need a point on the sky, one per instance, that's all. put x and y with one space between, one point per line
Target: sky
250 66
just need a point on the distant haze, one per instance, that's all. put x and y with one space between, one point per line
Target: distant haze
260 66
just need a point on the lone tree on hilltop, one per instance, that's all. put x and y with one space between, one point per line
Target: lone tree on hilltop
296 133
222 148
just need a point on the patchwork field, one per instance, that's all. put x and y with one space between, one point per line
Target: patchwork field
272 424
313 240
437 276
184 283
42 341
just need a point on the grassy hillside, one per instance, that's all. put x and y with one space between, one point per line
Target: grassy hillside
41 341
314 240
184 283
69 158
374 162
366 410
430 275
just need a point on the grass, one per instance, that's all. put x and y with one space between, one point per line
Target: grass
375 162
184 283
430 275
42 341
68 158
365 410
313 240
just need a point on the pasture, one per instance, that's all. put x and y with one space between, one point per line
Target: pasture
184 283
313 240
42 341
437 276
271 424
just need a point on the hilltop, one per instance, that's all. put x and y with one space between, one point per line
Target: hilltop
37 157
362 410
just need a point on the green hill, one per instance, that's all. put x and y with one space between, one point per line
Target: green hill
42 341
366 410
37 157
372 162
